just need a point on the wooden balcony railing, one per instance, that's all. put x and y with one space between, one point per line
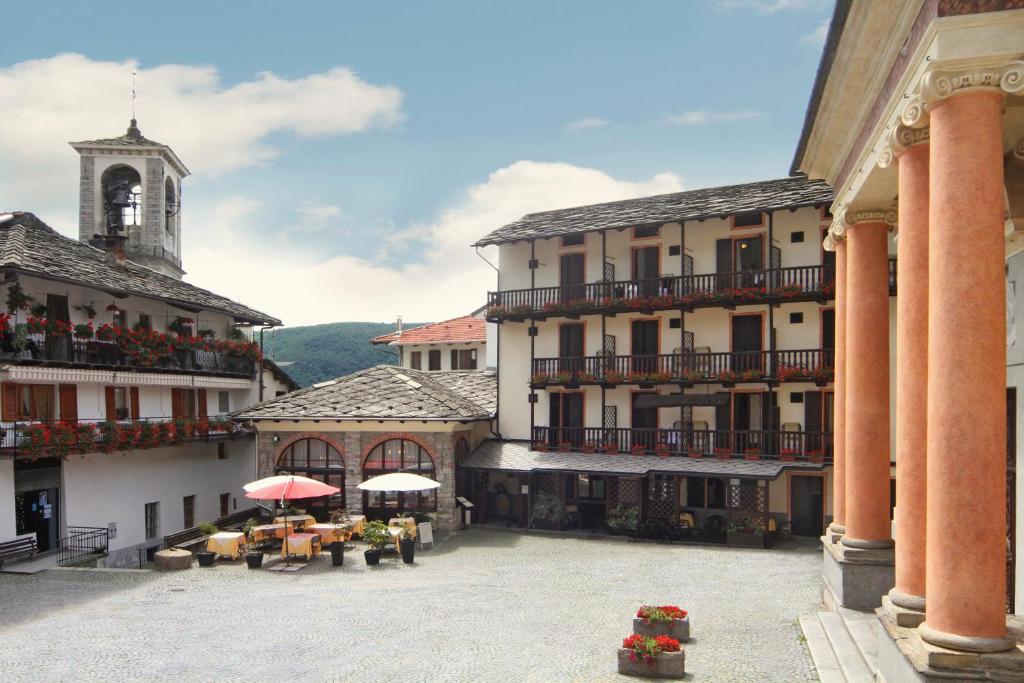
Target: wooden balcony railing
728 444
53 438
43 349
766 286
797 365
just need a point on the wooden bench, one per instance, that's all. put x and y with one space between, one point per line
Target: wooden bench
18 548
189 539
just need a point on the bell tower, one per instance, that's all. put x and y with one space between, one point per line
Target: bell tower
130 199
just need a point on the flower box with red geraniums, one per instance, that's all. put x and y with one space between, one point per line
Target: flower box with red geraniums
540 446
662 450
817 455
694 453
723 453
662 620
564 447
752 454
589 447
611 448
638 449
788 454
652 657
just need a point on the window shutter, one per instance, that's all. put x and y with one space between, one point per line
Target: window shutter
177 404
111 405
455 360
135 403
201 400
10 402
68 403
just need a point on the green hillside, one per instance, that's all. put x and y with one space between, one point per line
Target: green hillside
322 352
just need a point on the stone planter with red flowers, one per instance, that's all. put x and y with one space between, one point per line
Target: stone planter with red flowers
663 620
652 657
662 450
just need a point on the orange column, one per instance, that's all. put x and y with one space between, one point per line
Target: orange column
966 553
911 376
867 383
839 416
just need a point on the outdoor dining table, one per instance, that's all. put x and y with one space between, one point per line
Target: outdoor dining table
330 532
298 520
227 543
265 531
400 522
301 544
358 523
396 534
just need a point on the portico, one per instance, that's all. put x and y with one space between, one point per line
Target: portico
930 156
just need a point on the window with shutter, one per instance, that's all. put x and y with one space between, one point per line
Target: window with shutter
416 360
434 360
135 403
68 403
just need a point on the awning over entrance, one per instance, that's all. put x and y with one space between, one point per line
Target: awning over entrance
516 456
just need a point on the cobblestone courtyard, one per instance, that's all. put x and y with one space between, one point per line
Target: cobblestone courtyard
486 605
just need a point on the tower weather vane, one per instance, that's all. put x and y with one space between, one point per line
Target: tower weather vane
133 94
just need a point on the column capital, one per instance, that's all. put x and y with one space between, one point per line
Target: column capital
898 140
844 218
942 81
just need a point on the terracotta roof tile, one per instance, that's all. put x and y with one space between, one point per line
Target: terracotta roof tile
457 330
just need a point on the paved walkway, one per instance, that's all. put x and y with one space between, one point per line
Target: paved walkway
484 606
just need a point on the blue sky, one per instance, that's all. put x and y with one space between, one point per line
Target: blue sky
654 95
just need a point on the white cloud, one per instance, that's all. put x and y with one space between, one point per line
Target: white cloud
588 122
698 118
447 278
817 36
312 215
775 6
214 128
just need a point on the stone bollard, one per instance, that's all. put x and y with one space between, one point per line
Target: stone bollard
172 559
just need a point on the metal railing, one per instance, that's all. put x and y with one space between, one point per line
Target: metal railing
768 285
42 348
758 444
704 367
82 544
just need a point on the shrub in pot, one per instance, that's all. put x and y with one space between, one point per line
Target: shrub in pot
407 545
206 558
376 535
254 558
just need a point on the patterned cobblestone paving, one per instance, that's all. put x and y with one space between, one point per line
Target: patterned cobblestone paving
486 605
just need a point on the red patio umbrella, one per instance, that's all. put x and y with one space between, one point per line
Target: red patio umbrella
287 487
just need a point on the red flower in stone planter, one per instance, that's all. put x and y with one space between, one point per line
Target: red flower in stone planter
660 613
646 649
723 453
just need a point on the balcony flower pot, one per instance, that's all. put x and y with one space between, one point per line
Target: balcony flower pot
254 558
407 546
564 447
337 549
662 450
752 454
694 454
612 449
652 657
723 453
541 447
816 456
787 455
372 556
638 450
675 627
206 558
589 447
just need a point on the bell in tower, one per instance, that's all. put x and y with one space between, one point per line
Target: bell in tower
130 199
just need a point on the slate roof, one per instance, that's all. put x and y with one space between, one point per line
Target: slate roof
386 392
710 202
457 330
133 138
30 246
516 456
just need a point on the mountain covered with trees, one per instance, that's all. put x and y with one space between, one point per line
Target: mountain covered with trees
320 352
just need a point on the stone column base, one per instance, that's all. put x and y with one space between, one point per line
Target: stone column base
856 578
834 532
906 618
903 655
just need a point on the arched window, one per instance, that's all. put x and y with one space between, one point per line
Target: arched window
170 206
318 460
122 198
398 455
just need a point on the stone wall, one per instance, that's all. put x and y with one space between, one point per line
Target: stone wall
86 199
354 446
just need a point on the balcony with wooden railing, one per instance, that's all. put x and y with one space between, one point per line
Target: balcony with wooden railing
792 446
677 292
725 368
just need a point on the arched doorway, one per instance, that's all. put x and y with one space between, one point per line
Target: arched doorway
398 455
318 460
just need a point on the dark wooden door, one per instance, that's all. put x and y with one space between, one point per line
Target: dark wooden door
570 347
812 420
723 421
748 261
806 503
747 337
566 417
647 269
644 345
572 277
645 424
723 263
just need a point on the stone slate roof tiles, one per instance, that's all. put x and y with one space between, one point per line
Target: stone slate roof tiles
387 392
29 246
455 331
711 202
516 456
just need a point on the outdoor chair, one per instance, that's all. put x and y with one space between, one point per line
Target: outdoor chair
425 533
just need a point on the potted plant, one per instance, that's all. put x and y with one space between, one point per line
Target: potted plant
547 511
611 447
638 449
376 535
341 520
623 519
694 453
657 657
540 446
723 453
613 377
788 454
752 454
589 447
407 544
662 620
662 449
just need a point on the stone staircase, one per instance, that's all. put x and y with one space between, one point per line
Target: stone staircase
843 645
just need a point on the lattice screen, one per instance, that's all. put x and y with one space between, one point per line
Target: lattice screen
661 497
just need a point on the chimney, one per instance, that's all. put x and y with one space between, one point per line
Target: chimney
398 325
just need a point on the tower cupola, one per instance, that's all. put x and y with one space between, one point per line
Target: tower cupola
130 199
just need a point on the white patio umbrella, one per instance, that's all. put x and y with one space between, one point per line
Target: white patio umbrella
399 481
